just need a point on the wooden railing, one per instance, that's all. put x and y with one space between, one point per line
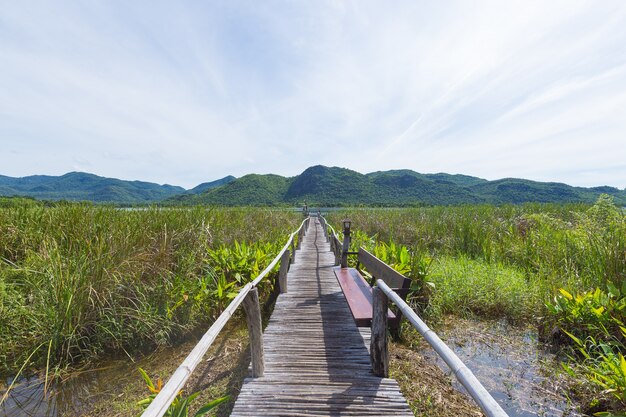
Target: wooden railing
379 355
248 296
331 236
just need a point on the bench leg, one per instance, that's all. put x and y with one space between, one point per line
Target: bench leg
395 330
379 352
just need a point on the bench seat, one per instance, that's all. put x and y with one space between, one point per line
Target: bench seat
358 293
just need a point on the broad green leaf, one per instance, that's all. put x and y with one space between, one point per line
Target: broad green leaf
574 338
566 294
209 406
146 378
613 291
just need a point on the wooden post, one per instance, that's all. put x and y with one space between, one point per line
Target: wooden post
337 250
282 273
345 248
253 316
378 346
324 227
300 235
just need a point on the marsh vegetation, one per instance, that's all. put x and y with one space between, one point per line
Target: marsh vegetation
81 283
561 267
78 281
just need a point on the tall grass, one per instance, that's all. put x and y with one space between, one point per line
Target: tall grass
552 246
92 279
563 266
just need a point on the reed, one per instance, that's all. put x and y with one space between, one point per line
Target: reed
541 247
89 280
562 266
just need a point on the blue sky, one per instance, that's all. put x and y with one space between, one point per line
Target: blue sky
190 91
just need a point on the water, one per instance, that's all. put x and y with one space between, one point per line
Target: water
72 396
508 360
512 365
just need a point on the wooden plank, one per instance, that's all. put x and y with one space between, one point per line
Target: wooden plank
317 360
381 270
358 294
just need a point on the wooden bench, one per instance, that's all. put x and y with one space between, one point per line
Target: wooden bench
358 291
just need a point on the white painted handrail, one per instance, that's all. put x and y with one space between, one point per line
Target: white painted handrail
280 254
473 386
168 393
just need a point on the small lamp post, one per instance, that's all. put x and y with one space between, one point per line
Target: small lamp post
346 243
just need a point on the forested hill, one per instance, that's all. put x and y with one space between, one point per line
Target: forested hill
325 186
80 186
317 185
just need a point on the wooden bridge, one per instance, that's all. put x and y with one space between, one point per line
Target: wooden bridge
313 360
316 359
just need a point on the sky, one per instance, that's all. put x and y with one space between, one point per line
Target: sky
183 92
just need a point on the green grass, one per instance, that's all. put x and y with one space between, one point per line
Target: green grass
465 286
579 247
92 280
563 266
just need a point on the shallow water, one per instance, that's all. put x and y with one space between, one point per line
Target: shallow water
69 397
508 360
512 365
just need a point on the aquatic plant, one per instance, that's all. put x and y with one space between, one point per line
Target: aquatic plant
180 405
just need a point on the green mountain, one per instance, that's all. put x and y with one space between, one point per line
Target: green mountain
198 189
332 186
456 179
81 186
318 186
249 190
513 190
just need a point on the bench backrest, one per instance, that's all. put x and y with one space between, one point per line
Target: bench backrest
381 270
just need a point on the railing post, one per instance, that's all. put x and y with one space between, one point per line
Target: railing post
282 273
293 252
379 353
253 317
324 226
346 243
336 249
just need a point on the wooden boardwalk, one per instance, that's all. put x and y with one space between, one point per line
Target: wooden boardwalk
316 359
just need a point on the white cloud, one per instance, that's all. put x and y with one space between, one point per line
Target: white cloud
184 93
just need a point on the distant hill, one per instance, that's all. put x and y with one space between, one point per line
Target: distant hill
249 190
318 186
81 186
332 186
198 189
